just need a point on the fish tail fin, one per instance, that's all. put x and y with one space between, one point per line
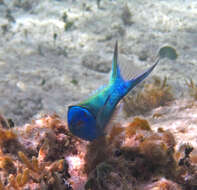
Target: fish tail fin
134 81
117 79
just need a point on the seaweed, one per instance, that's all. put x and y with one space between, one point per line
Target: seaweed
54 38
129 156
154 153
5 28
4 123
33 170
127 151
98 3
7 163
9 16
68 24
137 124
33 156
24 4
192 88
74 82
153 95
163 184
126 15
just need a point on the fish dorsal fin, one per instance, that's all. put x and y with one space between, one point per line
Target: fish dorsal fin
115 73
126 71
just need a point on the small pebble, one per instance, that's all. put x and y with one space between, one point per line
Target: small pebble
21 85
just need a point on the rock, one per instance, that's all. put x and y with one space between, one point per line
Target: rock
96 63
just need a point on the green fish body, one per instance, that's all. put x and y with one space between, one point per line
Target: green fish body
89 118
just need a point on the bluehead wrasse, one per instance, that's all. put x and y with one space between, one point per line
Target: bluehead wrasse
89 118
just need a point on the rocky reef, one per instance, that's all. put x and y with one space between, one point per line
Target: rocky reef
36 156
45 155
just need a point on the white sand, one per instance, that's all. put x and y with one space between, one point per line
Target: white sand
37 73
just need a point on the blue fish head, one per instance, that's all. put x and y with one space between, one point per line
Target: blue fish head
82 123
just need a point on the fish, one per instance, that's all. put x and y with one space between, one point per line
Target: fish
88 119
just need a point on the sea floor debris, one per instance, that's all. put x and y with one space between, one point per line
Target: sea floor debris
133 155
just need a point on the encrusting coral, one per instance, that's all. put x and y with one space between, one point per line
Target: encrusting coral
45 155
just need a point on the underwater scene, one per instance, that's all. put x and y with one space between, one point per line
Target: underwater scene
98 95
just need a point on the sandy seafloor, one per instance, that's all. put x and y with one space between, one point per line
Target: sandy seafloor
41 74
